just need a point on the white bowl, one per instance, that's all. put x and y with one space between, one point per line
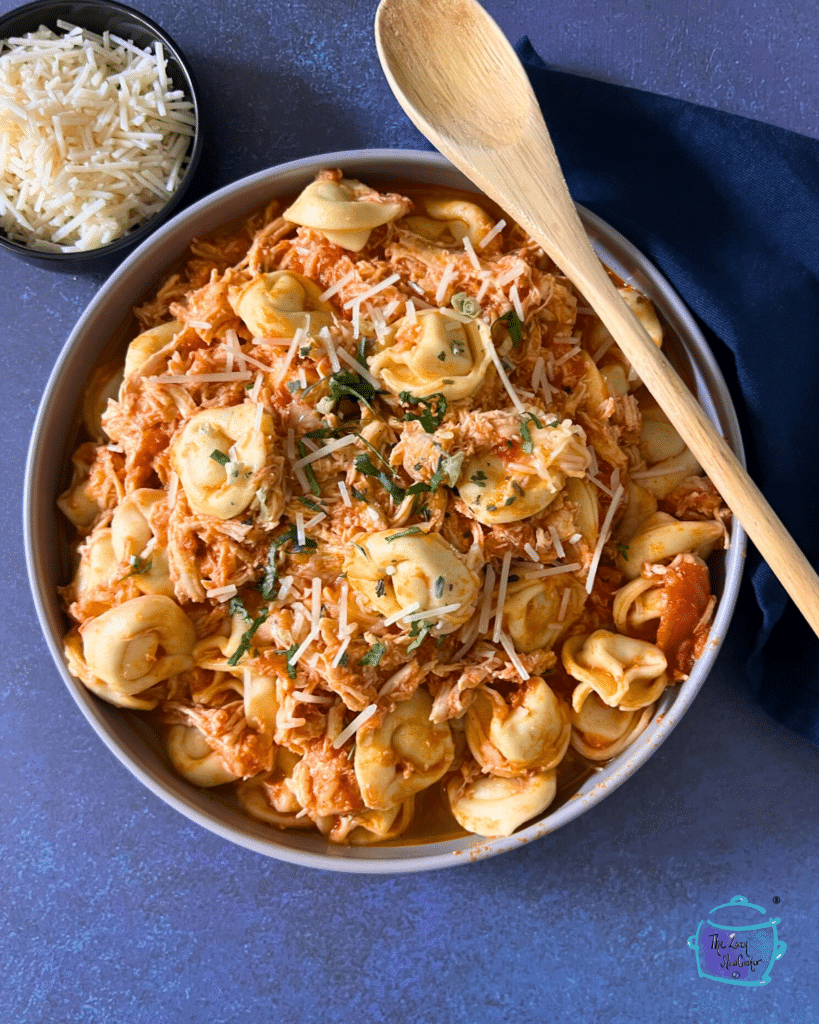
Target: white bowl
106 321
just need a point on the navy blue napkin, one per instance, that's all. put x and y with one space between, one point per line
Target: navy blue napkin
728 209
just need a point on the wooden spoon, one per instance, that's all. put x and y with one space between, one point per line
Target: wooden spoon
462 85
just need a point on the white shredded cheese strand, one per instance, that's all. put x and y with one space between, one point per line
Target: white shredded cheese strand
300 530
233 347
530 551
486 604
472 634
493 355
316 607
317 518
470 252
443 284
368 294
514 298
335 288
324 334
342 607
311 698
345 494
552 570
647 474
604 536
354 726
432 613
504 582
412 316
200 325
293 659
509 647
598 355
402 612
557 543
284 588
340 653
496 230
222 593
298 337
328 449
355 365
257 363
564 604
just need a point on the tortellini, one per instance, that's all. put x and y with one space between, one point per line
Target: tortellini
194 758
219 456
660 537
616 371
270 797
624 672
372 826
104 385
402 755
344 211
147 344
276 305
492 806
449 221
131 534
394 569
79 504
137 644
638 605
663 449
529 731
495 486
532 610
600 732
432 353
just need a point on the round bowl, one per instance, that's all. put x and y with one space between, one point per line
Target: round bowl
99 16
53 440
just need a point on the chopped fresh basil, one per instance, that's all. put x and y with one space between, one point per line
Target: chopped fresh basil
220 457
312 505
236 606
358 494
526 419
247 636
623 549
479 478
423 633
137 568
404 533
439 586
374 655
513 324
431 415
464 304
381 588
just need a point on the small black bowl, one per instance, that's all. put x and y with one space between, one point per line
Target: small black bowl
99 16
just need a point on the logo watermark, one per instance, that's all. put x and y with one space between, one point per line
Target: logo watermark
741 952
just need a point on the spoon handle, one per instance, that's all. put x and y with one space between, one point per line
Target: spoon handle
512 160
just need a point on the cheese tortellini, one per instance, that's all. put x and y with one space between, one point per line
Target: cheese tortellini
495 806
508 484
403 754
219 456
146 345
449 221
432 353
660 537
194 758
532 610
511 738
624 672
137 644
344 211
132 533
394 569
600 732
276 305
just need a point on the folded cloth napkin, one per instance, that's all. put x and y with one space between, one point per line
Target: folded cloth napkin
728 209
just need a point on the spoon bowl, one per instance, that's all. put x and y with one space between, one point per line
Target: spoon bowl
466 91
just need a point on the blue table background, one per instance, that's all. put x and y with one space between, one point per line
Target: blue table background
116 909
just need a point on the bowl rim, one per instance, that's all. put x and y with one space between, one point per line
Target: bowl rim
172 239
138 234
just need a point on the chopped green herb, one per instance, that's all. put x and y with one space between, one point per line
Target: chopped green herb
439 586
361 352
351 751
513 578
361 497
344 660
432 413
361 549
288 654
236 606
312 505
623 549
404 533
512 500
513 324
423 633
270 577
293 386
381 588
525 433
518 488
308 469
304 351
441 356
479 478
291 535
220 457
244 643
464 304
555 424
137 568
374 655
349 384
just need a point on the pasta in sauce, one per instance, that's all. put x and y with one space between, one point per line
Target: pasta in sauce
375 509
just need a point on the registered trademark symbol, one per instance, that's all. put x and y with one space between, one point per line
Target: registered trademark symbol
776 899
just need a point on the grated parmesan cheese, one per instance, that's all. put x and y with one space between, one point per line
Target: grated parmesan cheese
95 136
496 230
504 582
605 530
354 726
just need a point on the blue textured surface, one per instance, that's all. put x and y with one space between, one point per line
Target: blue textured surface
115 909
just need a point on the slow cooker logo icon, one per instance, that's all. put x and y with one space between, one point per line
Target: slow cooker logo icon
741 952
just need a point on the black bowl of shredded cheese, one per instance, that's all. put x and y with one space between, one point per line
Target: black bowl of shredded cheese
99 135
